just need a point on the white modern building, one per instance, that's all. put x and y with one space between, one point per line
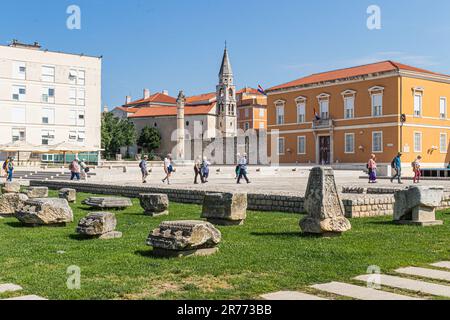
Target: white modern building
49 97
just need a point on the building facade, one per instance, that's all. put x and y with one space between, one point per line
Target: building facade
49 97
342 117
252 109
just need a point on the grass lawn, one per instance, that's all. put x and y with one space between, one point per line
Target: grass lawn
266 254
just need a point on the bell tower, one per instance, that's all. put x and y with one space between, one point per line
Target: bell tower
226 99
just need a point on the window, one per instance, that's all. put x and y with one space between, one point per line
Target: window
47 137
443 108
19 93
77 77
246 126
324 109
349 107
73 96
261 125
377 141
280 113
48 74
76 118
377 105
417 105
417 141
18 134
301 112
81 97
73 117
20 70
443 142
349 143
48 95
18 115
280 146
247 113
261 112
301 145
81 136
73 136
48 116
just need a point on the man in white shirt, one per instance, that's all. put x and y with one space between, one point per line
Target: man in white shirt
168 168
243 169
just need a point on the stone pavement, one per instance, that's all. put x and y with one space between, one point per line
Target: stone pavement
411 286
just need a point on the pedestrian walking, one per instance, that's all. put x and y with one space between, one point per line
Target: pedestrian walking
197 170
144 170
84 169
238 157
396 164
416 168
243 162
168 168
205 169
8 167
75 169
372 167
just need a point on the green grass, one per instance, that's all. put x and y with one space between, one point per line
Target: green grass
266 254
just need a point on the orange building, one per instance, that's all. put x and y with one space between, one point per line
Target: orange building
342 117
252 109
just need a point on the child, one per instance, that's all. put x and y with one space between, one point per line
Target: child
416 169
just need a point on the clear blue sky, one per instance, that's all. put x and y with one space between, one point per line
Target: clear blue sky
178 44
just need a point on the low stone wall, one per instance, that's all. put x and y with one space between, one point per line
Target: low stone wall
356 205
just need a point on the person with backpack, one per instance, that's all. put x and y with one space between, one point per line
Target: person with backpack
8 166
84 169
243 169
198 170
205 169
144 170
372 167
396 164
416 168
75 169
168 168
5 166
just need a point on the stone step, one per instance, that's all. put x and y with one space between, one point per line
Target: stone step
9 287
442 264
290 295
361 293
30 297
425 273
408 284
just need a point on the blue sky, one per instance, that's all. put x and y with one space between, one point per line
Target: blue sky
178 44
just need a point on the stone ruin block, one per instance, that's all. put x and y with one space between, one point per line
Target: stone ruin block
108 202
225 208
36 192
101 225
184 238
11 187
154 204
69 194
326 213
45 211
11 202
417 205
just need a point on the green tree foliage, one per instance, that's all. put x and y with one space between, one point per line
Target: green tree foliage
116 133
149 139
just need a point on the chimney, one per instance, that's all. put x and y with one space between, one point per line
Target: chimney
146 93
165 92
127 99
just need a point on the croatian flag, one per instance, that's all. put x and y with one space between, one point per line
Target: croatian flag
316 115
261 90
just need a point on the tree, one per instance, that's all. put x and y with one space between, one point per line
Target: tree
149 139
116 133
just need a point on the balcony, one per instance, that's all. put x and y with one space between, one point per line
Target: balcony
322 124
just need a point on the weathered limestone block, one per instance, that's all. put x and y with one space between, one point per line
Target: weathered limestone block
108 202
37 192
184 238
69 194
326 214
11 187
154 204
45 211
417 205
225 208
100 225
11 202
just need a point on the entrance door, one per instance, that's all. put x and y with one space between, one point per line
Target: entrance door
324 150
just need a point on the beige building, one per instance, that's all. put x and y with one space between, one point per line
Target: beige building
49 97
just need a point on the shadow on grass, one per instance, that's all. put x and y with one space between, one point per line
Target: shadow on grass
149 254
16 224
298 234
80 237
386 223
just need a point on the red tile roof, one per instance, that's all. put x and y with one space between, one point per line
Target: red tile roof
249 90
201 97
155 98
126 109
379 67
160 111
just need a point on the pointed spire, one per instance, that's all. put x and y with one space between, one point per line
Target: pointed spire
225 69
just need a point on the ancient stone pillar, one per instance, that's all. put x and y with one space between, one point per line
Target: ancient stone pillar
326 214
181 101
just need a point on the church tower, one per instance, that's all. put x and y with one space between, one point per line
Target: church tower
226 99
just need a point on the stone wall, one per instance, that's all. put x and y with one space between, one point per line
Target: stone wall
356 205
